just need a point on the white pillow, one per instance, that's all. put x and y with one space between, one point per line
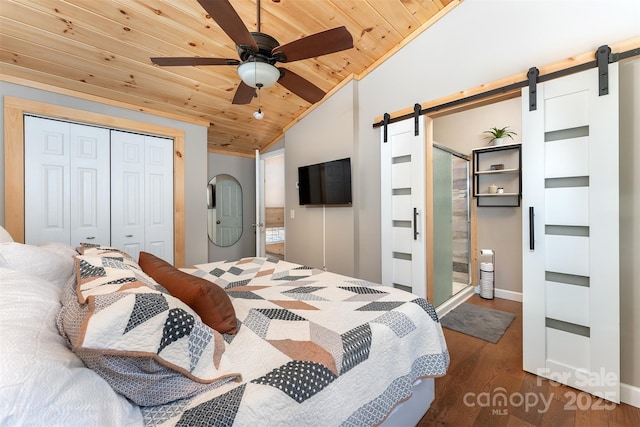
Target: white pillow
59 248
4 235
48 263
42 382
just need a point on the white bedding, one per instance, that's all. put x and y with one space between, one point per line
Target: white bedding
42 382
364 344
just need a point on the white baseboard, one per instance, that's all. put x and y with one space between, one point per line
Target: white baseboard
630 395
503 293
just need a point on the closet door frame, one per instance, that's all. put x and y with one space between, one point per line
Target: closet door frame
14 111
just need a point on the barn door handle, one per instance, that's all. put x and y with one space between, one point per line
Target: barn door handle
532 243
415 224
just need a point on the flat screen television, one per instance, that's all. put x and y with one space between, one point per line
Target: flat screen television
327 183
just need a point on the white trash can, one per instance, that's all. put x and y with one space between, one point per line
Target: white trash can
487 273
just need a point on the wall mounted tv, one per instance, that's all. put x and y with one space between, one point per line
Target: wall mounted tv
327 183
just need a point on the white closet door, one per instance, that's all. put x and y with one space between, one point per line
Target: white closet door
127 192
570 244
158 197
46 181
402 208
66 182
89 148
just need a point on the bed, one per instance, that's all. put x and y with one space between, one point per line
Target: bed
305 347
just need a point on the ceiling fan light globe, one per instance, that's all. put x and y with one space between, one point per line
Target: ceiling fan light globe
258 115
258 74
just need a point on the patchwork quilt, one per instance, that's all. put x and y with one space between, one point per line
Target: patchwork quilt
313 348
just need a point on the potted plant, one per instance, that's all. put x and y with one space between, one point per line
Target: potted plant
497 135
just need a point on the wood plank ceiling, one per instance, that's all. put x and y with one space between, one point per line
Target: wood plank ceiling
102 48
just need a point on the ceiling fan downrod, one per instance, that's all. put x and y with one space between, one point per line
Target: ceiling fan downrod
258 15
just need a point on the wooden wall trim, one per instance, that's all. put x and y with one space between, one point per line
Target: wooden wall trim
428 167
583 58
14 110
62 91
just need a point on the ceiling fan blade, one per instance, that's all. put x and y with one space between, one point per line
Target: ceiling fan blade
189 60
228 19
244 94
300 86
318 44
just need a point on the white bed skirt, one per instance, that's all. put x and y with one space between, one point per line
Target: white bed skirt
410 412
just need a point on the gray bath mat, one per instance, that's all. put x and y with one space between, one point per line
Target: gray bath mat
480 322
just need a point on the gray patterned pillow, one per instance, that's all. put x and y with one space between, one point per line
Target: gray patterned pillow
146 344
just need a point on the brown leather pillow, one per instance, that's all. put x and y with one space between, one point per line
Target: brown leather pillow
207 299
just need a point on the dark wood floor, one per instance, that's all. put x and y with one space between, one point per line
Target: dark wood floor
480 372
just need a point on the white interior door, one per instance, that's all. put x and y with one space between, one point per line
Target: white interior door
265 174
158 197
46 181
66 182
228 210
570 234
260 208
127 192
402 207
142 194
90 182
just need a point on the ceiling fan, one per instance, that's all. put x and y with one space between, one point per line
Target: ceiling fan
259 52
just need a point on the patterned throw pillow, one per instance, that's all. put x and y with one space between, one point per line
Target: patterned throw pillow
107 273
101 250
148 345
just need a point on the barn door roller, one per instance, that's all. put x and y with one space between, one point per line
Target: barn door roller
602 57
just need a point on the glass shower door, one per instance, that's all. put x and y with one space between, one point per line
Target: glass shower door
451 226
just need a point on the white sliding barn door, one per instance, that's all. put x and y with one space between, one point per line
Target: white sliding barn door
570 234
66 182
402 207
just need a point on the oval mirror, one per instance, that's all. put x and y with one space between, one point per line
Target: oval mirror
224 203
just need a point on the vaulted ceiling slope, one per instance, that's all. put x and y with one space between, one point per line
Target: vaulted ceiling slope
102 48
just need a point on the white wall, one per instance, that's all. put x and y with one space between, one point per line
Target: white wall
244 170
321 236
195 159
480 41
630 222
499 228
461 51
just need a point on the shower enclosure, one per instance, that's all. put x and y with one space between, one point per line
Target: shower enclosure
451 223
